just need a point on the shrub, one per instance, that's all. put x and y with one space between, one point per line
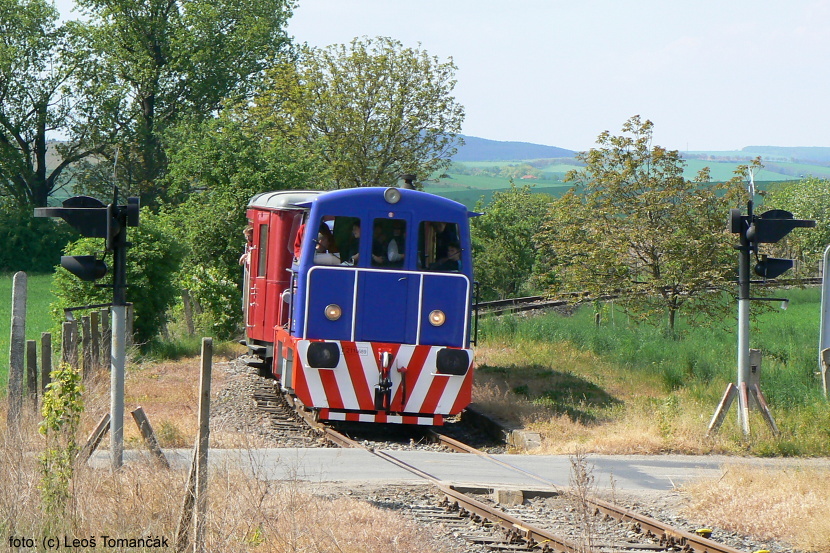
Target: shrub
30 243
152 262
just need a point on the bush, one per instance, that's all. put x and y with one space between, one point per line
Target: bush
152 262
30 243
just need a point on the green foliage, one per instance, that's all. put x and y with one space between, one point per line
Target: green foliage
372 109
33 76
157 63
152 261
227 162
30 244
633 223
702 356
62 408
808 198
503 241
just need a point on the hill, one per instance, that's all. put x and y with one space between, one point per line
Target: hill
481 149
808 155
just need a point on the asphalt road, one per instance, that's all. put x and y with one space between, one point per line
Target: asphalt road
634 473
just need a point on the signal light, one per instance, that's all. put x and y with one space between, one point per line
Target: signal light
772 267
767 228
85 267
773 225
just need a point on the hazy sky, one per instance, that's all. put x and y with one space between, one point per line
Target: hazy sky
714 75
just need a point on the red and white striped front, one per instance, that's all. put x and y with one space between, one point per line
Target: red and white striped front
418 391
380 417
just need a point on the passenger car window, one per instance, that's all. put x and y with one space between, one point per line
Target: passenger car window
263 250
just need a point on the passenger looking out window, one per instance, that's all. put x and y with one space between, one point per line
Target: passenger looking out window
396 251
379 245
451 262
435 239
326 251
351 252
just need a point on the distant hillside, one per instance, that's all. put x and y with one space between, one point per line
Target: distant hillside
481 149
819 155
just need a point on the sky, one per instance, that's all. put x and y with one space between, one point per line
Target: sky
710 74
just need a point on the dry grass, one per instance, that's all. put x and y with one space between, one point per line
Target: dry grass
245 513
775 503
168 393
575 399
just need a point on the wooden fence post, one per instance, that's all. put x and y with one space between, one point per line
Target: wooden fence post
69 352
130 321
106 338
94 341
86 354
196 488
94 439
188 313
149 436
202 444
31 371
17 348
45 360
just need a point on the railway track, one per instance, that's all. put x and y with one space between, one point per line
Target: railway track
528 303
475 517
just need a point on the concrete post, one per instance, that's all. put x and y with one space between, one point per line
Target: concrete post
17 348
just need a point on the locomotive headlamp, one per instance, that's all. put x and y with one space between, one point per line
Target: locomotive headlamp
437 317
392 195
323 355
333 311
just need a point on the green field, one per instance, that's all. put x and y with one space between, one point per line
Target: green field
37 316
681 379
725 170
469 188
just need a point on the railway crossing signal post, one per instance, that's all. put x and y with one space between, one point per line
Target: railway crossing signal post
94 219
769 227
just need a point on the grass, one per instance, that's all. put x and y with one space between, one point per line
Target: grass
766 502
244 513
38 318
624 388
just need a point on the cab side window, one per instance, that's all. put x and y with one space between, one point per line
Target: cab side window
439 246
337 241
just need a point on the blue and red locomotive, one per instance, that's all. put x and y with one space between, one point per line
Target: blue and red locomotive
359 301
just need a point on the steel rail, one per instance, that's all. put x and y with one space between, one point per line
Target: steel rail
514 527
526 303
668 535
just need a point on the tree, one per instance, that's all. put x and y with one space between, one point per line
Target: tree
215 168
37 79
174 59
808 198
634 226
503 240
372 109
